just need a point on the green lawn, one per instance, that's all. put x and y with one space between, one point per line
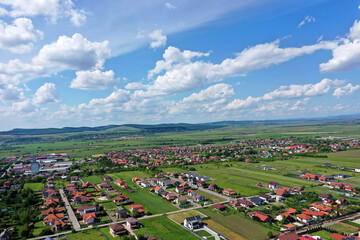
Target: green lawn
323 234
241 225
38 227
86 235
342 228
212 197
128 175
163 227
106 232
36 187
151 202
109 205
96 179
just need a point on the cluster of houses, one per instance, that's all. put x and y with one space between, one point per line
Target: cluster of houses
54 215
328 181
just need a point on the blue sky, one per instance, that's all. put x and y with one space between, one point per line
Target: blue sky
81 63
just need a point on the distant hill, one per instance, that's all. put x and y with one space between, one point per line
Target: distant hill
169 127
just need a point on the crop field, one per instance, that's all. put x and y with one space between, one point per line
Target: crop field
163 227
36 187
151 202
96 179
179 217
342 228
239 224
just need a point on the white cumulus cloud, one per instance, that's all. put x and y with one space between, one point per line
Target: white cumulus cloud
19 37
76 53
345 90
158 39
47 93
94 80
52 9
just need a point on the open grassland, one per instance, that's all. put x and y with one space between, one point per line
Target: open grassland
96 179
85 148
243 178
36 187
179 217
151 202
109 206
128 175
241 225
162 227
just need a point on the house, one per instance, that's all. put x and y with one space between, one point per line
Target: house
87 185
310 176
337 185
121 213
273 185
290 227
191 192
52 211
212 187
283 192
267 168
180 189
199 198
304 218
325 197
121 184
228 192
159 190
165 183
241 203
338 236
59 225
164 194
132 223
193 222
104 185
257 201
81 200
52 218
342 201
181 200
259 216
107 178
74 179
90 218
286 216
327 165
137 208
321 207
219 207
86 209
117 229
357 169
51 202
145 184
288 236
122 198
184 185
341 176
266 197
297 190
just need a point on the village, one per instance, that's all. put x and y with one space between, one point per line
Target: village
79 196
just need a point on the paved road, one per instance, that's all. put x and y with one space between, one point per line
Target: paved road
70 211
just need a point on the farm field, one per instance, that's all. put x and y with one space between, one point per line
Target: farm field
152 203
212 197
128 175
244 180
241 225
36 187
179 217
163 227
342 228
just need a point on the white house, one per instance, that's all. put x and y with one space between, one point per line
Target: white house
192 222
273 186
145 184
